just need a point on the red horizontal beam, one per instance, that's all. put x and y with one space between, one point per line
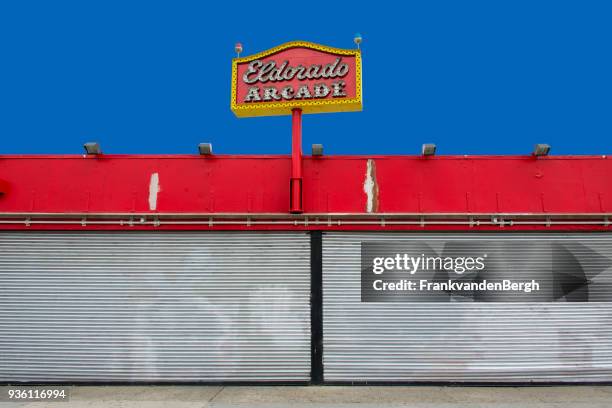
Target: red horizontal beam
331 184
271 227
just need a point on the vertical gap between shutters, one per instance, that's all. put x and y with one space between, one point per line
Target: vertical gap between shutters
316 307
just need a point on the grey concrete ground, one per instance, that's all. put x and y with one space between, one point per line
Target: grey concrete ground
331 396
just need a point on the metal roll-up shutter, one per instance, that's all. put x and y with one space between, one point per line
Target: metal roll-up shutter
463 341
144 306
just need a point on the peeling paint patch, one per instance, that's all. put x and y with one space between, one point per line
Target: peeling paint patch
154 189
370 187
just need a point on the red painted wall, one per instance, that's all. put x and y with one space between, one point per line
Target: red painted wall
260 184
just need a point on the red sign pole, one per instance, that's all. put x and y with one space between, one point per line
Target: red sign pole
295 205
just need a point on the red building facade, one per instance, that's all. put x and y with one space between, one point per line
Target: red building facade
339 192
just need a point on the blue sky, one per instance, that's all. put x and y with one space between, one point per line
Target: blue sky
154 77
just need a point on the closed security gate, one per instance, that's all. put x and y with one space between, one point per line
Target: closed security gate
467 307
193 306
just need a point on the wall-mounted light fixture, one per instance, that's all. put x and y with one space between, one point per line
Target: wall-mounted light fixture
92 148
541 149
205 149
317 150
429 149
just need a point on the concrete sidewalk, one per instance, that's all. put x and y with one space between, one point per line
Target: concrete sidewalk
331 396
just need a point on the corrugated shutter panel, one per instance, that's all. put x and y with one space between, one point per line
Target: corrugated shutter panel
493 342
112 306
